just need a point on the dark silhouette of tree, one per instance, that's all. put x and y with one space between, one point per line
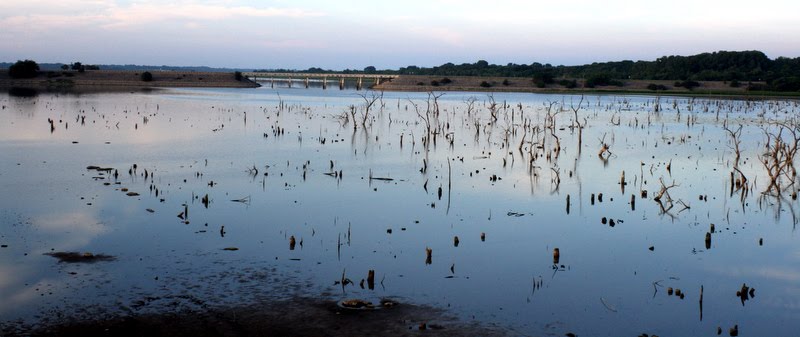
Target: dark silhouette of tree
77 66
23 69
146 76
370 70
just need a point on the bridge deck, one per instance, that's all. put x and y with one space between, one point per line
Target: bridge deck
316 75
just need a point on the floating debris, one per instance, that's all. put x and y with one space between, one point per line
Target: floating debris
556 255
428 254
734 331
745 293
356 304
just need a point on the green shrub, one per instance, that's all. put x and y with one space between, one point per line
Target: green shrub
23 69
485 84
435 83
237 75
653 86
735 84
146 76
569 84
601 80
688 84
545 77
445 81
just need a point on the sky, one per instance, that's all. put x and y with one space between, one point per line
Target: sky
299 34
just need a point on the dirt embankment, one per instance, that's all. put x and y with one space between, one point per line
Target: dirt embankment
524 84
114 79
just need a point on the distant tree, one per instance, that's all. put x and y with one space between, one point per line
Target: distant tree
653 86
237 75
481 64
370 70
485 84
146 76
445 81
505 82
735 84
23 69
64 67
543 78
76 66
435 83
788 83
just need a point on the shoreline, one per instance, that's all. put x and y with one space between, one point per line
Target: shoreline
719 89
119 80
124 80
298 316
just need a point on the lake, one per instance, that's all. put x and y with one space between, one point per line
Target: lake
217 197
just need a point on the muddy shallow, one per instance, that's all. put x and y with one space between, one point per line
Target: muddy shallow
219 199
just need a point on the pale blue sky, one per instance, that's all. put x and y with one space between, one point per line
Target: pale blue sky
388 34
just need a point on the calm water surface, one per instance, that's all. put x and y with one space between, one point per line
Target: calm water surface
198 142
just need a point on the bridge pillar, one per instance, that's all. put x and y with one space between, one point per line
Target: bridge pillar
358 85
272 83
325 83
306 82
341 83
290 81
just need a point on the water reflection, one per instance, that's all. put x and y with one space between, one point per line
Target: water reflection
210 182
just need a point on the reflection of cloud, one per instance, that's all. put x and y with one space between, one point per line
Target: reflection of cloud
774 273
20 294
74 229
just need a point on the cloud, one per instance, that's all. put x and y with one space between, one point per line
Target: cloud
108 15
439 34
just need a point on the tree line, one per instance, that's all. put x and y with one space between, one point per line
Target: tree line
781 74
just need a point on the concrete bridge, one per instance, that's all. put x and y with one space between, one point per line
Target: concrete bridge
324 78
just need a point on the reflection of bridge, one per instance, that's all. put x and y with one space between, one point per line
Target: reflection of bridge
304 78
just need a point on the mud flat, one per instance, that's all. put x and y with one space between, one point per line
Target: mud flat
295 317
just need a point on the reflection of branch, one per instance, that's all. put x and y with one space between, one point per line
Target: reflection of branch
664 200
245 200
556 180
